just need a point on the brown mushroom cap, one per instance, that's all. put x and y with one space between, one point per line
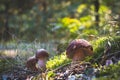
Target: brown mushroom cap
31 63
41 53
78 46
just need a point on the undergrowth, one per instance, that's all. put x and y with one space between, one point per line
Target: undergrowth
57 61
22 52
100 44
110 72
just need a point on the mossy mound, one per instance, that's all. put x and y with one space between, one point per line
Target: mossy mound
100 44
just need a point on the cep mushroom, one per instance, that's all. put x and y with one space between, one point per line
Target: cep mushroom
78 49
31 63
42 56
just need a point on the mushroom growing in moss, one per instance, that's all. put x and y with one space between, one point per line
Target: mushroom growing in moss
31 63
42 56
78 49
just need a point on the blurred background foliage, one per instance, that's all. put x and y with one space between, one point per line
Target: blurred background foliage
55 20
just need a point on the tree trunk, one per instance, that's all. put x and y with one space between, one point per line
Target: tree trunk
6 35
97 6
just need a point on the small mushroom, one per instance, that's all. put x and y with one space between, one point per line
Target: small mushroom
31 63
78 49
42 56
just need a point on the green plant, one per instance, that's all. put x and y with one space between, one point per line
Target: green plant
111 72
57 61
100 44
6 63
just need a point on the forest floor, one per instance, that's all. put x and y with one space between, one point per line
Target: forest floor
71 71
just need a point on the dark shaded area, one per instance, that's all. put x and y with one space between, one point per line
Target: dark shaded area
97 6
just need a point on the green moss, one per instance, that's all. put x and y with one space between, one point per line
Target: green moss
111 72
99 45
57 61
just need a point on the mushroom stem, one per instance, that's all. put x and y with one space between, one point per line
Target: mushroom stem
78 55
41 65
